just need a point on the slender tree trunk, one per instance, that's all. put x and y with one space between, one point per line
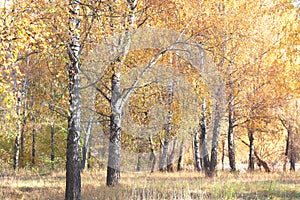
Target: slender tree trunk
52 132
16 152
286 154
164 155
114 156
18 109
17 140
170 167
292 162
152 155
180 159
86 140
251 150
223 154
214 156
89 152
204 150
215 140
139 163
88 129
33 143
231 148
292 152
20 95
89 166
22 138
73 165
197 151
289 149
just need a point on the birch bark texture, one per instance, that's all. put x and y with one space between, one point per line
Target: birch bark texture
231 148
114 156
73 165
20 123
203 139
117 102
197 151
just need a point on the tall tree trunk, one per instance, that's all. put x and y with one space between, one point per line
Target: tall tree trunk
152 155
73 165
231 149
180 158
204 149
116 103
52 132
114 156
170 167
164 155
86 140
215 139
197 151
20 95
251 150
33 143
88 129
17 140
22 138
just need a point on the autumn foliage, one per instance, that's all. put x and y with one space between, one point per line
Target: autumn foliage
253 45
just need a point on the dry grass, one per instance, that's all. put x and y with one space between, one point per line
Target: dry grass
184 185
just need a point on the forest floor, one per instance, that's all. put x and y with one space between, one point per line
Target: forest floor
179 185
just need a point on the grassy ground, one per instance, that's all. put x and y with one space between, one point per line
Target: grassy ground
184 185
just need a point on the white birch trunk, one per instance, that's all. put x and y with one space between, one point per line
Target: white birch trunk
204 148
73 165
117 101
114 156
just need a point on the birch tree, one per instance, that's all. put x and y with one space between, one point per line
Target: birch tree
73 165
163 162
